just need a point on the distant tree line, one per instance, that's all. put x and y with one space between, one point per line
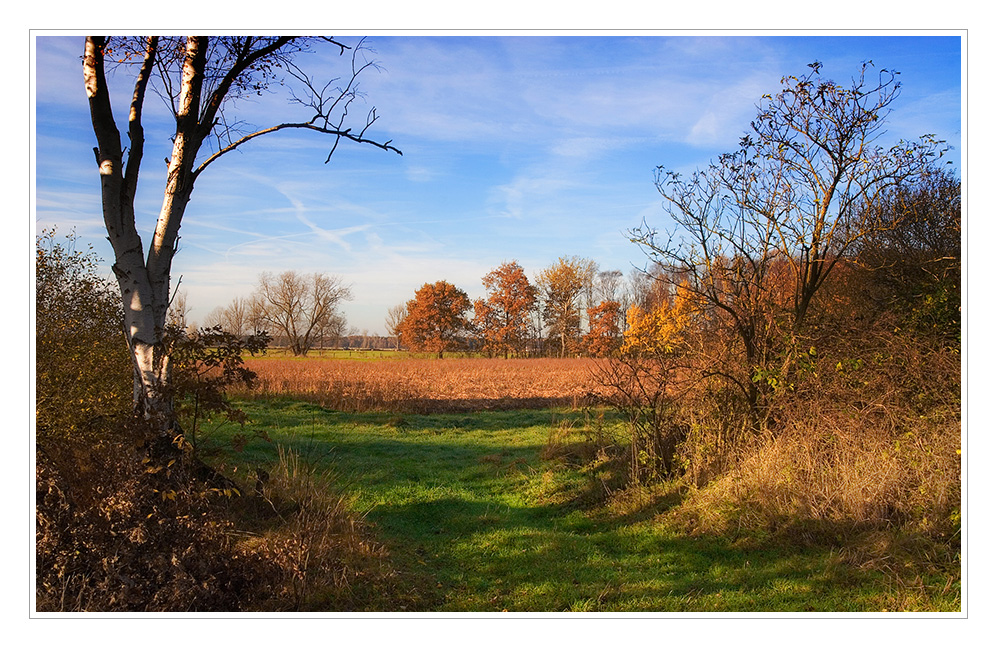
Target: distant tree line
570 308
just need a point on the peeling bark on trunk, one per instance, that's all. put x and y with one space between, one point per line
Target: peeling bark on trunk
144 283
144 280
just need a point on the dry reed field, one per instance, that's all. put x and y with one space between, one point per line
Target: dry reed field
429 385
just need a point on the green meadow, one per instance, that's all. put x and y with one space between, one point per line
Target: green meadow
523 511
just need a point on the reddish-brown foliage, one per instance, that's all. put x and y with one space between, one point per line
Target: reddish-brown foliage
435 319
115 532
503 319
604 329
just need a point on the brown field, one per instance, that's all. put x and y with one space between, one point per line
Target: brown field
429 385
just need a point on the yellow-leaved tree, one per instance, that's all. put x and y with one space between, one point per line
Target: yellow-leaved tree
656 331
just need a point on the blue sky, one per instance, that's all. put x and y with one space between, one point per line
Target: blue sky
520 147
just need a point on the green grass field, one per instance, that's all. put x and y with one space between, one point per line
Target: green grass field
475 519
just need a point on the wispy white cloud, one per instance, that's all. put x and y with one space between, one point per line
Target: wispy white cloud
532 191
421 173
521 147
336 236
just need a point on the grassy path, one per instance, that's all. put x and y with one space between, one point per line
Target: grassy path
477 521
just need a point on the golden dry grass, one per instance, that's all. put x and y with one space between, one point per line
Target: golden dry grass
838 472
319 552
429 385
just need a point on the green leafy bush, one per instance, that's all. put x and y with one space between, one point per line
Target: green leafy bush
83 372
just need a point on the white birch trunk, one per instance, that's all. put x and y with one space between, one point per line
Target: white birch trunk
144 283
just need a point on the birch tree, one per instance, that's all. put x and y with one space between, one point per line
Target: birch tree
198 77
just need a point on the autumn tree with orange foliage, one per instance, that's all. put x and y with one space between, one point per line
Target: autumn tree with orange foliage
560 287
660 339
603 337
503 318
435 319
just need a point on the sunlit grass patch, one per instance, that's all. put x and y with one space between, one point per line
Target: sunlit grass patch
473 518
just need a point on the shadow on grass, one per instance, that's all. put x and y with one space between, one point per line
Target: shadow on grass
458 501
484 557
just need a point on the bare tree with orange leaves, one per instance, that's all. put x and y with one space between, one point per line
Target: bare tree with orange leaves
758 232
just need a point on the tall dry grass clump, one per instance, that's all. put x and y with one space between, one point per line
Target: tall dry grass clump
301 525
836 468
871 440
